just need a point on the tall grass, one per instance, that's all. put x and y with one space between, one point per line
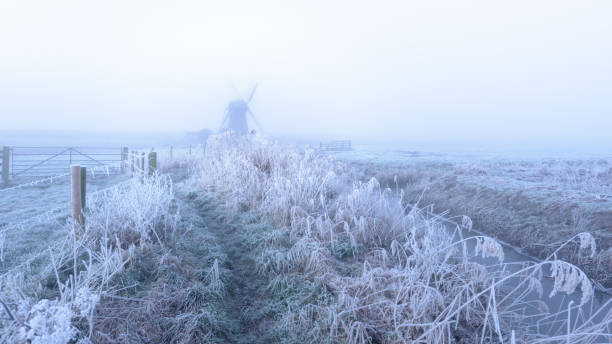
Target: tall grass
57 304
535 205
394 273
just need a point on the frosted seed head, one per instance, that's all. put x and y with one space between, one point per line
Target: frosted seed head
587 242
534 284
489 247
466 223
567 277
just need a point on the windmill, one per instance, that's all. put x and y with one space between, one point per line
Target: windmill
235 119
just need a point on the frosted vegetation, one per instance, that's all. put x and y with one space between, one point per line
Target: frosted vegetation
382 270
56 303
534 204
334 260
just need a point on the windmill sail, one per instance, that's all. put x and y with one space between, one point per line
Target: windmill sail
252 94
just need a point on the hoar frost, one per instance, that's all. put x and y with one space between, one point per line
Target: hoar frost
49 322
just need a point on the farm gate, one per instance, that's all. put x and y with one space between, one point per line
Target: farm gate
49 161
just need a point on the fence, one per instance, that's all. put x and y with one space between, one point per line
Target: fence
78 194
49 161
336 146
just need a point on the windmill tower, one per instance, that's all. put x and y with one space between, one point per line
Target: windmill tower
235 119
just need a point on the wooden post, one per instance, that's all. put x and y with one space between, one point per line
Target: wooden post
142 166
136 162
189 149
133 161
83 187
77 209
124 158
152 163
170 152
6 157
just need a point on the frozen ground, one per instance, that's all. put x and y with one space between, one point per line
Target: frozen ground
532 200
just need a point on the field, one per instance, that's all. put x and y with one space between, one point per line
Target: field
257 242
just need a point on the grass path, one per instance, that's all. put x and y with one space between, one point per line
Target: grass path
246 288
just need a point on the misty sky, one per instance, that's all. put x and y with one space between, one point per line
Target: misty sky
396 70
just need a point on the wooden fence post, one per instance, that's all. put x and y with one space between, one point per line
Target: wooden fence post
77 210
6 157
170 152
124 158
83 188
132 161
152 163
142 171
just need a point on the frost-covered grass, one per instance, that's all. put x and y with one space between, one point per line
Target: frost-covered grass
34 216
319 254
360 264
535 204
174 292
57 302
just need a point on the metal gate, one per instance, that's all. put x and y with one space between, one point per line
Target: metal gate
48 161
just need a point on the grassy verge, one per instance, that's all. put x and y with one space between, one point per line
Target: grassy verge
57 301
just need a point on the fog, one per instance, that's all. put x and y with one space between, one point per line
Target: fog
456 71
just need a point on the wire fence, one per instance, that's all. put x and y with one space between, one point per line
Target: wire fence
48 180
175 152
49 215
26 263
57 218
45 217
96 170
138 166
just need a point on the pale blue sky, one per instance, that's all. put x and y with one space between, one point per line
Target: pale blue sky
512 70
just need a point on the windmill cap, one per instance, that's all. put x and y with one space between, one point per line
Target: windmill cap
238 104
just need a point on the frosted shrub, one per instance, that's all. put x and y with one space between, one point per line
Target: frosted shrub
374 215
267 176
136 213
